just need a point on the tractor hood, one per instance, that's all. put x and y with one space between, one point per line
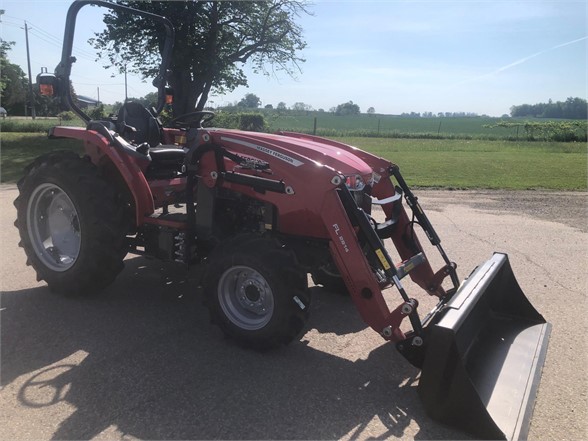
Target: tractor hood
341 160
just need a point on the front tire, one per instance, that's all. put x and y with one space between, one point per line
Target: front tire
70 224
255 291
330 278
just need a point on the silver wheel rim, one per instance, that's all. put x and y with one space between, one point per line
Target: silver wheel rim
246 297
53 226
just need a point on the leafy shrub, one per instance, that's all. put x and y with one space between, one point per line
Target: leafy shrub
97 112
165 116
225 120
563 131
253 122
67 116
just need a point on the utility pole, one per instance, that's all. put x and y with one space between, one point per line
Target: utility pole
31 96
126 97
98 89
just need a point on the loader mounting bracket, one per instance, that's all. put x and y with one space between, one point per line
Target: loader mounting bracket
413 348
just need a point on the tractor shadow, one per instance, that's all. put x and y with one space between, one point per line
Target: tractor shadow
154 368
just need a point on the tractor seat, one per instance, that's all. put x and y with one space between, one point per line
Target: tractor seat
138 125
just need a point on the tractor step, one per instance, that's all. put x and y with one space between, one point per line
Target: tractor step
407 266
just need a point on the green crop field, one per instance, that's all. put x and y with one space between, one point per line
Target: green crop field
387 124
405 127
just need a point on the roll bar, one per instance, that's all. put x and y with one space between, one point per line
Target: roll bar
63 69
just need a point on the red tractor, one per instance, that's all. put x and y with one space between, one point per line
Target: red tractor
259 212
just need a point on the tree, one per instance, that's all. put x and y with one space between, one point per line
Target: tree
97 112
371 111
571 108
282 106
301 107
13 82
149 100
347 108
250 101
213 40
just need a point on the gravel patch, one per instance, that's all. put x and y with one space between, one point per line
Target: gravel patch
569 208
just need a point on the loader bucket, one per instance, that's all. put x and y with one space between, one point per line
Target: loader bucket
484 354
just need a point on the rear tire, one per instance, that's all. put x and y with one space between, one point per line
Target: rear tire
256 292
71 225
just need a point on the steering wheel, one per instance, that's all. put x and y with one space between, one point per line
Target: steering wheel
192 119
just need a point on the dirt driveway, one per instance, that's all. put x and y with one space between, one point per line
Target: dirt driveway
143 362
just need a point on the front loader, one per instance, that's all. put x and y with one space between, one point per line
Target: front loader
257 213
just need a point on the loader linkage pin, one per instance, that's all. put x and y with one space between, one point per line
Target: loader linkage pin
409 306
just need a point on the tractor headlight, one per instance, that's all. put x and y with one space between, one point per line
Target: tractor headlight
358 188
355 183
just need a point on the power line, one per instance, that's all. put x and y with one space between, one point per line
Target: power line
10 23
52 39
94 80
78 52
100 84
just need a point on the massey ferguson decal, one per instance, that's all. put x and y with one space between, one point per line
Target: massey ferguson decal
267 151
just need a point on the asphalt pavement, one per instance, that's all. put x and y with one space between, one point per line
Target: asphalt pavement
142 361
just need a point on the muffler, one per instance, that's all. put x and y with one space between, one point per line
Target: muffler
482 355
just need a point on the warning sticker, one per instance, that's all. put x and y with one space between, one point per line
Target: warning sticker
383 260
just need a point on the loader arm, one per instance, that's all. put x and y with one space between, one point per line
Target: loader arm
402 234
480 349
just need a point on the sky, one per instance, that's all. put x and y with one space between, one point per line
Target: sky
396 56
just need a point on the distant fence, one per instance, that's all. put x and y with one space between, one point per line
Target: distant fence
432 128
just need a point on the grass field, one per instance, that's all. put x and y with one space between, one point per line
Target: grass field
19 149
40 124
423 162
484 164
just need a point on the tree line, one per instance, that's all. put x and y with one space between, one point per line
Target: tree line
252 102
572 108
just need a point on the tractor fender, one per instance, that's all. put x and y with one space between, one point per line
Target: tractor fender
130 168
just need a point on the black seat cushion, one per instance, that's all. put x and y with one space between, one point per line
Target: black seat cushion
145 124
166 162
167 153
